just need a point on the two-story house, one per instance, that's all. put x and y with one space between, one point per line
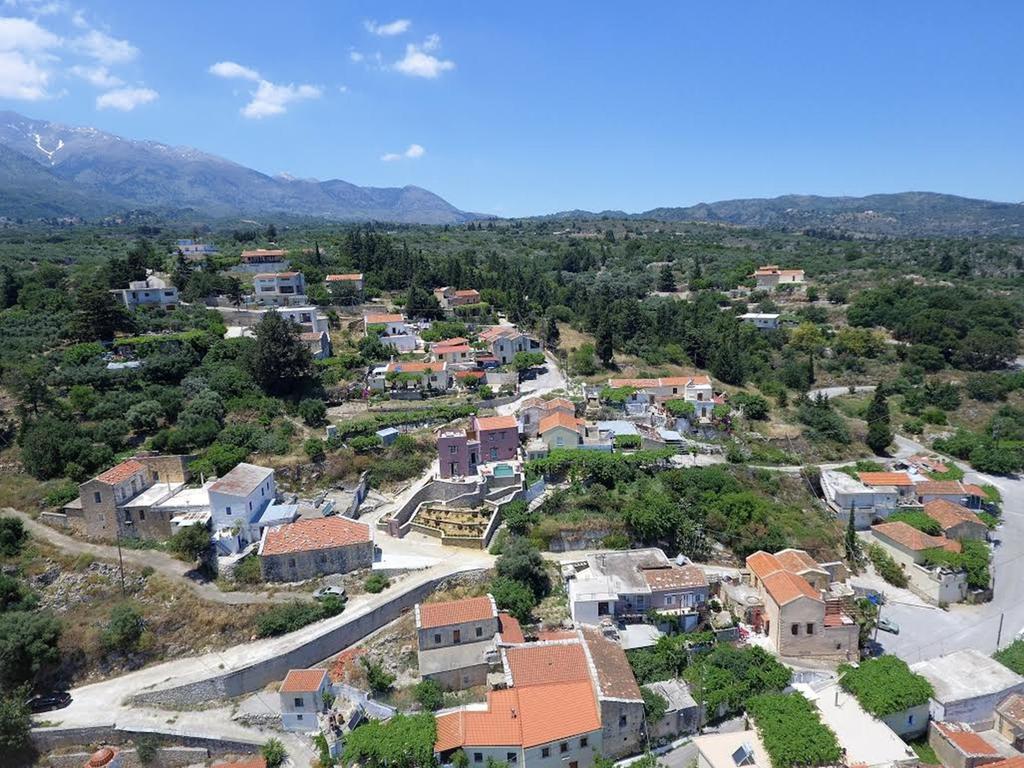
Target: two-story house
352 282
302 698
955 491
236 502
456 641
449 298
309 318
420 376
505 341
279 289
534 410
490 438
769 277
392 329
456 352
151 292
648 392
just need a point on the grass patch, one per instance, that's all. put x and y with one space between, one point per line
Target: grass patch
924 751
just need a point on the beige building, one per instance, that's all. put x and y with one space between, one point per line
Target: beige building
802 620
769 277
739 749
957 522
909 547
456 641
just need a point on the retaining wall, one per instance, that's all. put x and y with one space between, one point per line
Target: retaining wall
263 671
47 739
166 757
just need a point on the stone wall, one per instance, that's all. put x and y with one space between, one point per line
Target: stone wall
47 739
299 566
314 650
166 757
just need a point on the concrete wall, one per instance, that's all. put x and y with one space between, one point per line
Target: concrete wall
46 739
909 723
305 654
166 757
298 566
934 585
469 632
460 679
622 727
978 711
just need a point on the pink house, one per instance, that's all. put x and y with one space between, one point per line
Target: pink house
492 438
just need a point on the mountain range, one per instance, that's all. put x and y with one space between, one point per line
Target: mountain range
48 169
53 170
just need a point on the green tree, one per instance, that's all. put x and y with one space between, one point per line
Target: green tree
655 706
404 741
379 679
313 411
15 722
97 315
282 364
551 333
124 629
145 416
27 382
852 542
191 543
666 280
13 536
521 561
604 347
273 751
428 694
28 645
879 425
514 597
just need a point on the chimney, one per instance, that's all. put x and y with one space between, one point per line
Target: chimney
514 715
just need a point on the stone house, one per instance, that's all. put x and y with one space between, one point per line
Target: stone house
1009 720
623 723
682 715
801 619
909 547
302 698
958 746
449 298
125 500
505 341
957 522
314 547
455 641
279 289
318 343
954 491
769 277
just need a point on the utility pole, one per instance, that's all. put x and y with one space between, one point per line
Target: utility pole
999 632
120 563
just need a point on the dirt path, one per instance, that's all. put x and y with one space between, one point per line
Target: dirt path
161 562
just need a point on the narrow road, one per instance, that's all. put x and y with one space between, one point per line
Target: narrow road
161 562
831 392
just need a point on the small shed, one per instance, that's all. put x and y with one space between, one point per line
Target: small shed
388 435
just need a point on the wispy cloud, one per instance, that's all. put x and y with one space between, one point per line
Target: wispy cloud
420 61
390 29
355 56
26 61
105 48
269 98
413 152
22 78
99 76
125 99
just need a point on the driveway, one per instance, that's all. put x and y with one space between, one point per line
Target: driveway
548 379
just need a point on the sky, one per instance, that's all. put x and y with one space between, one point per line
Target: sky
525 108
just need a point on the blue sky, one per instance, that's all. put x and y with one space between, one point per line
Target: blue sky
531 107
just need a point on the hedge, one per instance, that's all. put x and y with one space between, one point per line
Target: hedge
792 731
885 685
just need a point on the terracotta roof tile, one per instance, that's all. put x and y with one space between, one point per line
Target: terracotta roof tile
900 479
121 472
674 577
785 587
797 561
940 488
447 350
947 514
974 490
303 680
560 419
274 275
313 534
264 252
417 367
510 630
430 615
615 679
913 539
559 402
668 381
1017 761
383 317
763 564
485 423
547 663
557 634
351 277
965 739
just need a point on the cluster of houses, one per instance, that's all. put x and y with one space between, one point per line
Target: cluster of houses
150 497
872 497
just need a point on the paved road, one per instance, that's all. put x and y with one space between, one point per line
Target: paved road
161 562
685 755
548 380
831 392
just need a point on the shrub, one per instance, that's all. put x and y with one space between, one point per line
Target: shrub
313 412
61 495
886 566
124 629
247 570
428 694
918 520
376 582
628 442
792 731
754 407
288 617
514 597
314 448
1012 656
379 680
12 536
885 685
365 443
522 562
655 706
680 408
191 543
274 753
404 741
15 722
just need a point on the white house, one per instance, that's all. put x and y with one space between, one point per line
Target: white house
236 502
353 280
151 292
279 289
310 318
394 331
869 503
302 698
504 341
763 321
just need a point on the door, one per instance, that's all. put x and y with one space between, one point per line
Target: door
456 636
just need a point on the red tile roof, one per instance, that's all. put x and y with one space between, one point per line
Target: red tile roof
347 278
121 472
560 419
430 615
797 561
264 252
785 587
556 634
303 680
1017 761
526 717
940 488
885 478
468 292
965 739
458 341
674 577
615 679
486 423
668 381
510 630
947 514
460 348
547 663
469 374
913 539
383 317
312 534
763 564
559 402
417 367
974 490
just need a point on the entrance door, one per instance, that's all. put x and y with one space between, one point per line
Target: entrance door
456 636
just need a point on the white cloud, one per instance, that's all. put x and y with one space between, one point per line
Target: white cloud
392 28
25 35
99 76
355 56
419 60
22 78
125 99
269 98
413 152
231 69
104 48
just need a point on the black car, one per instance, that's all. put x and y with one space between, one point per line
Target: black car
47 702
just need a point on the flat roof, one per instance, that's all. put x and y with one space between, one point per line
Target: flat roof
152 495
966 674
188 499
718 749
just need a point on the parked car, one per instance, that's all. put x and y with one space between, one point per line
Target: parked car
47 702
888 625
328 591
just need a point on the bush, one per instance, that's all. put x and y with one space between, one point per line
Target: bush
628 442
376 582
247 570
288 617
13 536
1012 656
514 597
792 731
61 495
886 566
314 448
522 562
428 694
918 520
754 407
379 680
274 753
655 706
313 412
15 722
124 629
365 443
404 741
191 543
885 685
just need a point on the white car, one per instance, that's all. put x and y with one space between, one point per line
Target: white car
327 591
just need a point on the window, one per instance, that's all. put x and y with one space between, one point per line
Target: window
794 629
910 719
810 628
298 717
456 636
96 497
510 757
478 757
453 449
584 741
142 515
479 631
563 747
437 638
299 702
545 752
622 721
291 562
250 506
670 599
227 510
